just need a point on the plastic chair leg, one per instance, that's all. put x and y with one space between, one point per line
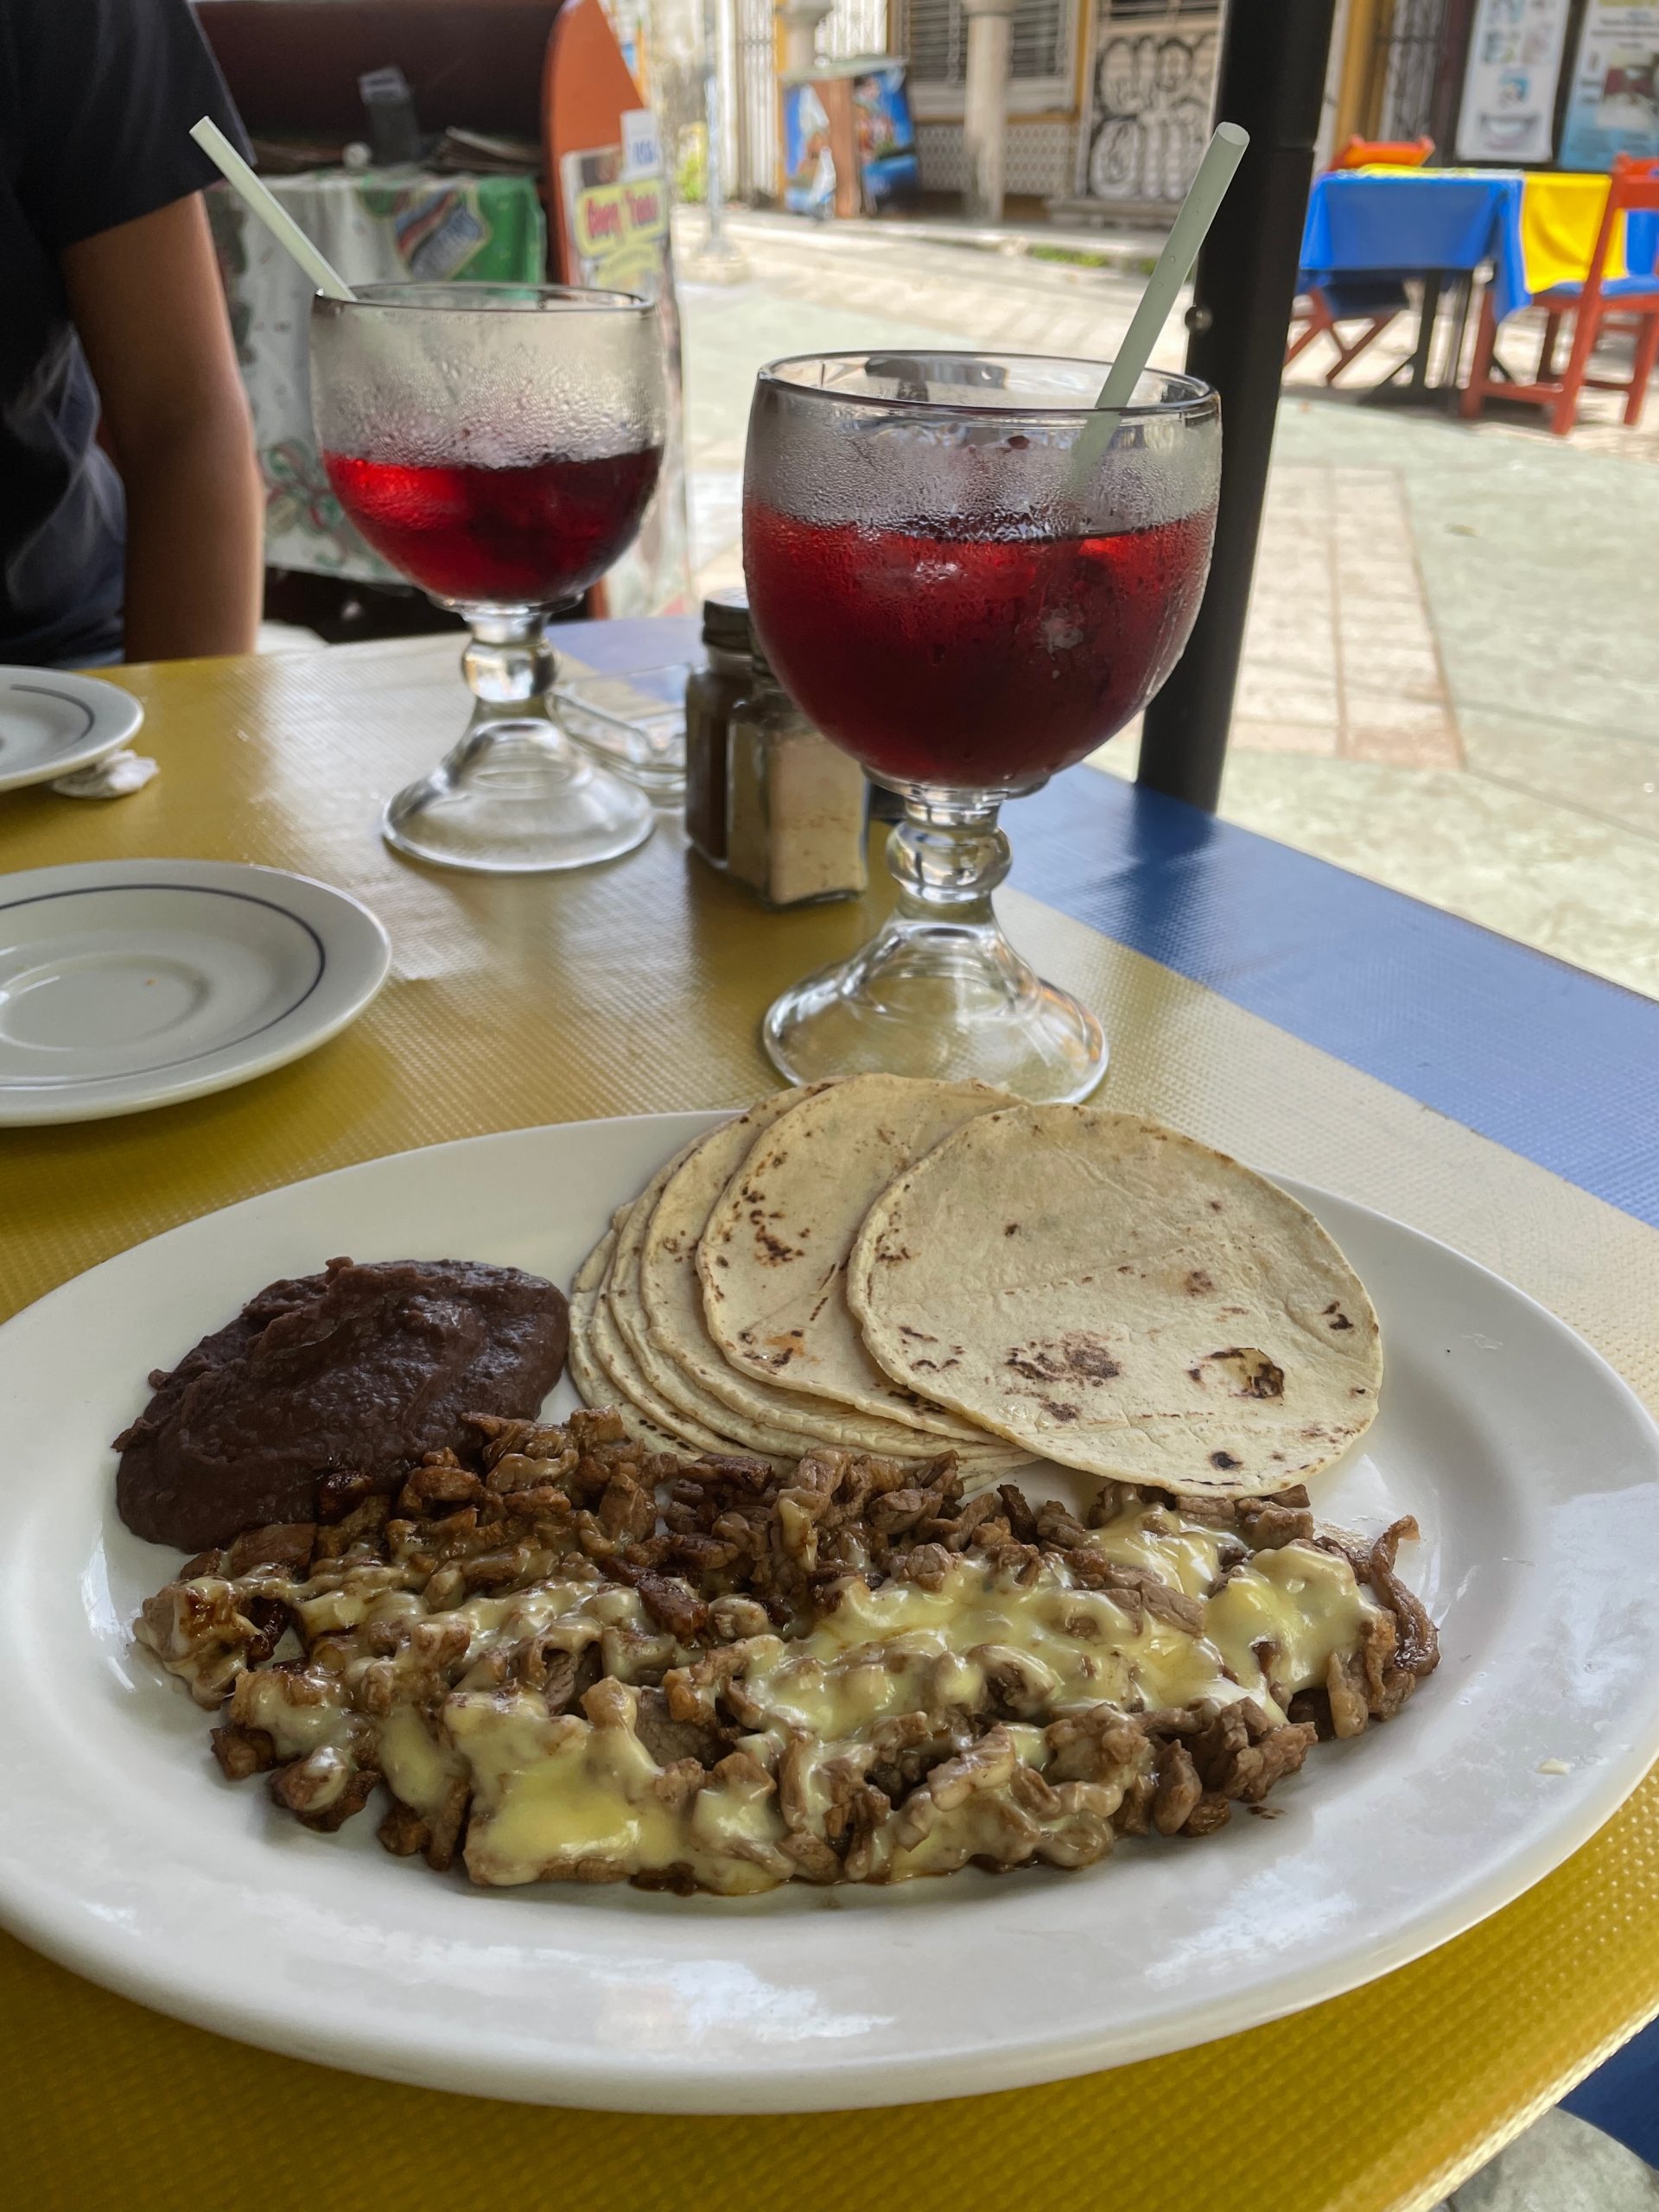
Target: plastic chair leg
1377 325
1647 355
1311 329
1480 368
1564 412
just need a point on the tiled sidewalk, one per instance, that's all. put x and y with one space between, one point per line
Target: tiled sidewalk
1561 2164
1340 656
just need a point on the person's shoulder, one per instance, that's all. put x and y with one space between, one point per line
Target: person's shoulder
109 90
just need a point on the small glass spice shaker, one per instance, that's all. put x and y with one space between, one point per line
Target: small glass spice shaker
710 695
796 805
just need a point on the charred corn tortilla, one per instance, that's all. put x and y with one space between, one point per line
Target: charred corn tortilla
1114 1295
773 1255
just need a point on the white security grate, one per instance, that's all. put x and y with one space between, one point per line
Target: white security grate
938 41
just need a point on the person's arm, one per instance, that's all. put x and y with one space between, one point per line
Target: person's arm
147 302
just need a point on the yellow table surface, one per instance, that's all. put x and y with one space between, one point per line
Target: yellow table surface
639 988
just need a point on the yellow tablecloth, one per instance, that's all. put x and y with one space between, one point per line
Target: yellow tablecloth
1561 218
638 988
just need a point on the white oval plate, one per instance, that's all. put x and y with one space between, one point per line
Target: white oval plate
127 984
1532 1468
53 720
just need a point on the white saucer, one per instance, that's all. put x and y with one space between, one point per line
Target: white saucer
127 984
52 721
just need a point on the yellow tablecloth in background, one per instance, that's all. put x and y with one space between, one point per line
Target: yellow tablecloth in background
1561 216
639 988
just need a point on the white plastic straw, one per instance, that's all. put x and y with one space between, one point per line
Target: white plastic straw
281 225
1204 195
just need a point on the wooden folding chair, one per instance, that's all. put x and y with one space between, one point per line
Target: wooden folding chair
1599 300
1374 301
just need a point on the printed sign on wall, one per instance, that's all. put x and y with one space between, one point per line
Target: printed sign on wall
1614 104
1509 89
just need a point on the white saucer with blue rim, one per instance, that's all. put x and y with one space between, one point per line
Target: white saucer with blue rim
128 984
53 720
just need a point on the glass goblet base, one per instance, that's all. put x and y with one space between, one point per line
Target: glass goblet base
517 798
939 991
517 795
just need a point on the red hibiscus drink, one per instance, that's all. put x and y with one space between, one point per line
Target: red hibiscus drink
988 655
533 534
968 579
499 446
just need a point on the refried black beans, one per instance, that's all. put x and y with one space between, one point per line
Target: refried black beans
360 1368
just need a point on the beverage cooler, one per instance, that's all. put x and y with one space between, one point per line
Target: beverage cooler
850 140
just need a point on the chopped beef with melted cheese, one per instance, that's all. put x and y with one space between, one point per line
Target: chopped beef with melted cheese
577 1660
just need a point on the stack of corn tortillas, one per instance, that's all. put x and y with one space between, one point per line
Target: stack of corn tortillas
906 1267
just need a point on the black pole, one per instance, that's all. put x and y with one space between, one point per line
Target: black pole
1271 79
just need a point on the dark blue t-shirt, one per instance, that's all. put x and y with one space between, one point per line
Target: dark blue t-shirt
96 98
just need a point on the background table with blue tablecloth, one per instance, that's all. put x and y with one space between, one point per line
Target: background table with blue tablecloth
1532 229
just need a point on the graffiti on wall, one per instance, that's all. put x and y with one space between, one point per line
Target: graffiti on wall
1149 109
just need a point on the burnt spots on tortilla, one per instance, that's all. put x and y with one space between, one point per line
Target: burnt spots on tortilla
1224 1461
1255 1375
772 1249
916 1336
1012 1229
1076 1355
1338 1319
1087 1356
1242 1370
1197 1283
1064 1413
1214 1205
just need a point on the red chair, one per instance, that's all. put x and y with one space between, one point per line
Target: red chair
1600 300
1375 301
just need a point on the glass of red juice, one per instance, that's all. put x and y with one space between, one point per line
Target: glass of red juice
968 579
498 444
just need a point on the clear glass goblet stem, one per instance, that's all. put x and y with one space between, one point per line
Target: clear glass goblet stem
508 661
939 990
516 795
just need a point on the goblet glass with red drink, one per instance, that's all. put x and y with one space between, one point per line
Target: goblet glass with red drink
498 444
968 579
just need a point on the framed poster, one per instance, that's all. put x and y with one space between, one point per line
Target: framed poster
1509 83
1613 107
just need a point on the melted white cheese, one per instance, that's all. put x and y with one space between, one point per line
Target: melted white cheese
565 1797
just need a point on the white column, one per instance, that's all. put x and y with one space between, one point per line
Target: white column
985 124
800 20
